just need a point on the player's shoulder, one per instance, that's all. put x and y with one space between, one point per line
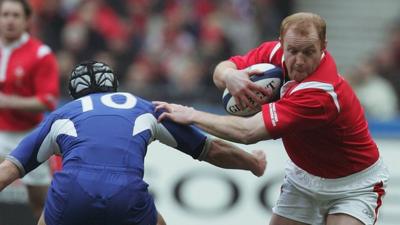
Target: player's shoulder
68 108
39 48
274 52
311 90
270 44
326 71
313 94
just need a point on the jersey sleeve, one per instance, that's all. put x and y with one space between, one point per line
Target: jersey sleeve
300 111
260 54
46 78
34 149
187 139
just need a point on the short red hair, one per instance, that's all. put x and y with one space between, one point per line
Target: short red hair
302 22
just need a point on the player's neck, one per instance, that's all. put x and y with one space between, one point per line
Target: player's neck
7 41
4 41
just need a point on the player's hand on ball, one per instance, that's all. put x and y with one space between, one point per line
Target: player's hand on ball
261 163
248 89
177 113
243 89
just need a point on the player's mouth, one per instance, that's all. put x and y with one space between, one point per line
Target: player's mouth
10 29
299 75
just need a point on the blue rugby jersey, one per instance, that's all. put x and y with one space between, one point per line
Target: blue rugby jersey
107 129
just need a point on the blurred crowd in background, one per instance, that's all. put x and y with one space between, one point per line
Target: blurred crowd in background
160 49
376 78
167 49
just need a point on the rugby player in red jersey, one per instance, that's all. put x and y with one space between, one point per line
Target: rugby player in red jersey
335 175
28 88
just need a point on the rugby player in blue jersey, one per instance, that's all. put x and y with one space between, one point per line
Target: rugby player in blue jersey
103 136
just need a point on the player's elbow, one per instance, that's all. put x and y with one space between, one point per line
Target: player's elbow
220 73
252 129
248 136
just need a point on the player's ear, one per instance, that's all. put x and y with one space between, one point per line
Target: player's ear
281 41
324 44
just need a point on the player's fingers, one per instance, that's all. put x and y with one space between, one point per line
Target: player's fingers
239 102
257 88
265 91
165 106
253 98
159 105
163 116
254 71
245 101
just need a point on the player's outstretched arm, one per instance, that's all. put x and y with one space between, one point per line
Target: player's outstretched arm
229 156
8 173
246 130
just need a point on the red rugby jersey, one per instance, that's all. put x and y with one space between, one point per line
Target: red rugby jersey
27 68
320 120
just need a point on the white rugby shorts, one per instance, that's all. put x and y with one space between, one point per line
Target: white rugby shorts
39 176
309 199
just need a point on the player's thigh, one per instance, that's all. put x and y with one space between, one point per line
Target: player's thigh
342 219
361 205
294 206
357 210
160 219
280 220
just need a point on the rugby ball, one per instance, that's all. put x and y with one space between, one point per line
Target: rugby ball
268 76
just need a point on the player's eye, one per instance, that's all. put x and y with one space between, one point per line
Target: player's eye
309 52
292 51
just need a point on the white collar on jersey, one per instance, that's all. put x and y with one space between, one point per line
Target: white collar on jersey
22 40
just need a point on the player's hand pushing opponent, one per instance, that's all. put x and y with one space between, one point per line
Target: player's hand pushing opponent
177 113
